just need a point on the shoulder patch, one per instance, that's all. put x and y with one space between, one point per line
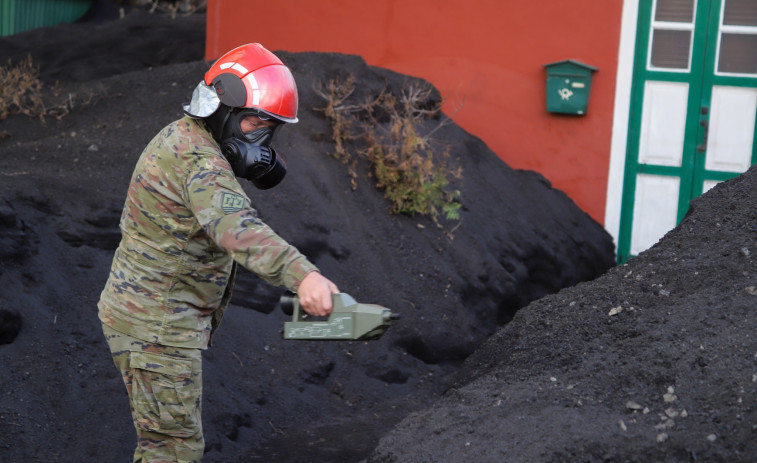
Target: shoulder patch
232 202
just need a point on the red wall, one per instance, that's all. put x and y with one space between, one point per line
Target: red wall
485 56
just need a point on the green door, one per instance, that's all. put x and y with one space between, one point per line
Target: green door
693 111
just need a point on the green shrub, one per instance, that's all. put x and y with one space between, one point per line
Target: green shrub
402 160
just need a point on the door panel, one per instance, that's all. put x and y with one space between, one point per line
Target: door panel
731 129
709 184
655 212
663 123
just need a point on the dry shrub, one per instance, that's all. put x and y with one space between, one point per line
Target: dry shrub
343 123
173 7
21 92
403 162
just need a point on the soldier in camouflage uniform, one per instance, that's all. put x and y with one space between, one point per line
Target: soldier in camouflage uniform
185 226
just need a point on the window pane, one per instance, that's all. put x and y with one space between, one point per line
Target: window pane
740 13
675 10
670 49
738 54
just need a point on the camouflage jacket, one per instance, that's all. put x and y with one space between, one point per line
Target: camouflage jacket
185 221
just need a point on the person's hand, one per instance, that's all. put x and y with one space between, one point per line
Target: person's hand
315 292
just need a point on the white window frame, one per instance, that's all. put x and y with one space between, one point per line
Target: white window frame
723 28
670 26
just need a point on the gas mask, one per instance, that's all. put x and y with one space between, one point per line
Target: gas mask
250 153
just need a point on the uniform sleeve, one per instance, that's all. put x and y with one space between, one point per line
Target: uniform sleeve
225 213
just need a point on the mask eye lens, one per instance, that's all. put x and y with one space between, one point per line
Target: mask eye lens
257 113
250 120
260 136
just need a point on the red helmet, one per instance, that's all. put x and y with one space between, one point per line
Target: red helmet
247 77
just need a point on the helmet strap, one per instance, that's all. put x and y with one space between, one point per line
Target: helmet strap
217 121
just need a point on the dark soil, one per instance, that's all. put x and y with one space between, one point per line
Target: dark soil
651 361
656 361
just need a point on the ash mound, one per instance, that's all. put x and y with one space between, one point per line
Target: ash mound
655 361
63 185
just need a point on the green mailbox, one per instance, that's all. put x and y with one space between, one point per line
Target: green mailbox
568 86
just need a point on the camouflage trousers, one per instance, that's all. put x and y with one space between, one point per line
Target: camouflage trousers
165 389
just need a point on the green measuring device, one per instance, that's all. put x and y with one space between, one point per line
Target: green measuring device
348 321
